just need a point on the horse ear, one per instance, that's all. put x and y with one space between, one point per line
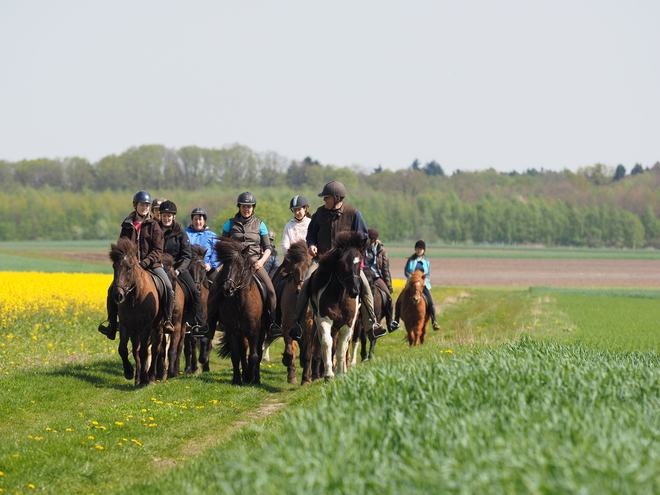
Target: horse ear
245 251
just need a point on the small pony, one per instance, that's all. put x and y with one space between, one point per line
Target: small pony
412 306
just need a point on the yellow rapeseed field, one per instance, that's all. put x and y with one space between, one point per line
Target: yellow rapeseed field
63 295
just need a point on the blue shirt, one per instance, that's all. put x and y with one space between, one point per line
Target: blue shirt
205 238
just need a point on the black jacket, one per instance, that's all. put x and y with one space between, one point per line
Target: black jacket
177 245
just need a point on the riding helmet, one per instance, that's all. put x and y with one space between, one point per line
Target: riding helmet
333 188
298 202
373 233
168 206
420 244
198 211
142 197
246 198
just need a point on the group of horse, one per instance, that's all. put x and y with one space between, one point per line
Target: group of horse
234 304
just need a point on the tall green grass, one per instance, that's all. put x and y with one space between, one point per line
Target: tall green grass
524 417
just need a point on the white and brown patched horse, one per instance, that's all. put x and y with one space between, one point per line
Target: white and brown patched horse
334 290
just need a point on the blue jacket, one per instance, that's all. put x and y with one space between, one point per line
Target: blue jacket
411 266
205 238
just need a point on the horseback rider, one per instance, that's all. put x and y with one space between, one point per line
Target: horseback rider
253 233
177 245
140 228
273 261
419 262
327 222
296 228
376 260
155 208
200 235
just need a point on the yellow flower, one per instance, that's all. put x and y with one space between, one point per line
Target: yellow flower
100 447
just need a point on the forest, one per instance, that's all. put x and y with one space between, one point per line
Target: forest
597 206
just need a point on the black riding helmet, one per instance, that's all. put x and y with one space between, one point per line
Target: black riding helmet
333 188
246 198
142 197
420 244
168 206
198 211
298 202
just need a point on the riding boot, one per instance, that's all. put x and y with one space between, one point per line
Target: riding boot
168 327
371 325
274 330
395 322
388 314
200 328
431 312
110 330
296 330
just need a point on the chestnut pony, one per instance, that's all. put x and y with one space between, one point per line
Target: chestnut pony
413 308
140 318
334 290
236 303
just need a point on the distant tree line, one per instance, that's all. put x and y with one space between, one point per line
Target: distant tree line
71 198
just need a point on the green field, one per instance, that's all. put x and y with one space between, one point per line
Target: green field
522 391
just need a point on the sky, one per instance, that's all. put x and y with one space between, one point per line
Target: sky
472 84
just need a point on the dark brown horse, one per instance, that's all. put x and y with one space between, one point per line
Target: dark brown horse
412 306
236 303
175 341
334 290
139 309
198 349
288 282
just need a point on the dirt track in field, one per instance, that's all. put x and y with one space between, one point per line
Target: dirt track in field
507 272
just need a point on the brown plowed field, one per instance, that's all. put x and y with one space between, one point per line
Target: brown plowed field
493 272
507 272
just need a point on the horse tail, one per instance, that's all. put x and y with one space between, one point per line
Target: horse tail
225 346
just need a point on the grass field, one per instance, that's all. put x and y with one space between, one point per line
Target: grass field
539 390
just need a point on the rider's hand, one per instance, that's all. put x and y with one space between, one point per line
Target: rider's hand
313 250
143 264
207 266
258 265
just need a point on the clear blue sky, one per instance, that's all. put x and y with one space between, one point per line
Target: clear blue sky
509 84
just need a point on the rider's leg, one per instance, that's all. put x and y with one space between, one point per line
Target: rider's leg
200 326
431 308
169 299
368 315
397 316
296 331
271 305
110 331
388 301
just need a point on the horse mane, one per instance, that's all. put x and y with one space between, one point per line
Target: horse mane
297 252
341 246
229 250
416 276
197 251
124 247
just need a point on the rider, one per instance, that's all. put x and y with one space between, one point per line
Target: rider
296 228
200 235
328 221
253 233
418 262
155 208
376 260
145 232
177 245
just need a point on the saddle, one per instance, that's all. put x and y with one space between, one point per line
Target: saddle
262 287
160 287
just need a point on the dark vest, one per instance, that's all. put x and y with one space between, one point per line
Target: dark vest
246 231
331 223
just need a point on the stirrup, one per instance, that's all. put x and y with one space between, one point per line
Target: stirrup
378 331
199 330
296 331
394 325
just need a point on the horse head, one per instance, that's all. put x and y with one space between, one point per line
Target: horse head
126 268
416 284
237 266
299 258
196 267
345 260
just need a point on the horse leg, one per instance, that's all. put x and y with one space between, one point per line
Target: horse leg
123 352
289 358
190 354
343 338
372 348
325 339
205 347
